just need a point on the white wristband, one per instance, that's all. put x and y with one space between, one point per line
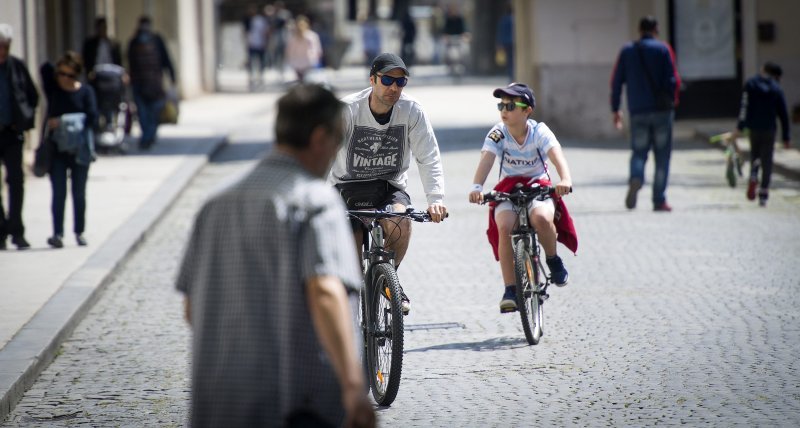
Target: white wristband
477 188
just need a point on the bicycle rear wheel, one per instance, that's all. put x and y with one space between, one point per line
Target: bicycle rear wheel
384 334
529 302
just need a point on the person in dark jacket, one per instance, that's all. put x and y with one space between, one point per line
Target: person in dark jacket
762 102
65 95
100 49
148 59
647 68
18 101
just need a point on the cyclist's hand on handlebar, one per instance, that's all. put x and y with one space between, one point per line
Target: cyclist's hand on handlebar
563 188
437 211
476 197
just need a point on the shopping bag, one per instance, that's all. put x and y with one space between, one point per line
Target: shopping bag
169 114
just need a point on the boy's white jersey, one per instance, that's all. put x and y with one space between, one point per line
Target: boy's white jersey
525 159
372 151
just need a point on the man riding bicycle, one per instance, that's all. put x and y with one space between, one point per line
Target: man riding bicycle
523 146
383 129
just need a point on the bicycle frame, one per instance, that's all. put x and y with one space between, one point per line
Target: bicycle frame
524 231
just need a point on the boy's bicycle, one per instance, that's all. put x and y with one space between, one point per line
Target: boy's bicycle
532 276
733 156
381 304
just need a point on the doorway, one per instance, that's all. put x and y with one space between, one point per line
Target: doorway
706 36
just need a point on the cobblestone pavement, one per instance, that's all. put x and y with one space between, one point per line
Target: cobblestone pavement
682 318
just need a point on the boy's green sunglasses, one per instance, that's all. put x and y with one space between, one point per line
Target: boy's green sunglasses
511 106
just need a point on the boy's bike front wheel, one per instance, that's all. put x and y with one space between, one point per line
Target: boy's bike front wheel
384 334
529 301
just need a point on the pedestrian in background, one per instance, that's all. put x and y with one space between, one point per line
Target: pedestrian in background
271 282
303 49
18 101
71 118
409 27
762 102
256 30
148 60
647 68
371 38
100 48
504 38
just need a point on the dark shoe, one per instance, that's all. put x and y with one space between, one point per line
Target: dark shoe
81 240
2 243
509 301
663 207
558 273
751 189
55 242
763 195
20 242
633 188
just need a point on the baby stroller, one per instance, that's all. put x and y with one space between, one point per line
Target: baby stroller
114 121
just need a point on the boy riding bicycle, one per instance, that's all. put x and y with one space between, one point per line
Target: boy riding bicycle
523 146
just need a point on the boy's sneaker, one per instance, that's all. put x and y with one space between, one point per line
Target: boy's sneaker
751 189
509 301
558 273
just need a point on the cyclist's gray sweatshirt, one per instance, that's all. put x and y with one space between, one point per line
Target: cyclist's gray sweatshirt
372 151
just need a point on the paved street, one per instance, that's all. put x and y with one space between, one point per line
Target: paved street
689 317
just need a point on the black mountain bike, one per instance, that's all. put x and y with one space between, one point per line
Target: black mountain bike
381 305
532 276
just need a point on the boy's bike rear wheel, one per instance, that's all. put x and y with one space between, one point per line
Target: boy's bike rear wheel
384 334
529 302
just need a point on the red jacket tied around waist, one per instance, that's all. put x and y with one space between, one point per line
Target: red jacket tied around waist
565 228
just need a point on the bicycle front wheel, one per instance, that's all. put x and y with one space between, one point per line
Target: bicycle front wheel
529 302
385 334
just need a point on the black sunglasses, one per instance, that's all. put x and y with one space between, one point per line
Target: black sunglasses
511 106
388 80
68 75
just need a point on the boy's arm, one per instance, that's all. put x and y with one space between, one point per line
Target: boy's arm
484 167
557 157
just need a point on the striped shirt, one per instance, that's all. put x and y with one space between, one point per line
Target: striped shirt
521 159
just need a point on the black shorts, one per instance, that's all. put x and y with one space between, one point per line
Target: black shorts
359 195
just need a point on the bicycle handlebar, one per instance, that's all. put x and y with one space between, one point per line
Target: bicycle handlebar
521 192
409 213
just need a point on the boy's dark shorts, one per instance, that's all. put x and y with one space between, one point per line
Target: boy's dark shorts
364 195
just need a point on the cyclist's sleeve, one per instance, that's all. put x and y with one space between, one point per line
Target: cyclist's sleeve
326 244
493 143
425 149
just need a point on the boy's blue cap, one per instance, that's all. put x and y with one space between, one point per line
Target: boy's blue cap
517 90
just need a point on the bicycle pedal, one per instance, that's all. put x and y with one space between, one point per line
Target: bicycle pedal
544 296
507 310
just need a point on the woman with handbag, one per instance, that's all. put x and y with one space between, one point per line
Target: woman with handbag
71 117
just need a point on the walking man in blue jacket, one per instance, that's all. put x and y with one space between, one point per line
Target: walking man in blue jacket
647 68
762 102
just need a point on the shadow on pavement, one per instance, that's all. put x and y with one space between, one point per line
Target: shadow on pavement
241 151
493 344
